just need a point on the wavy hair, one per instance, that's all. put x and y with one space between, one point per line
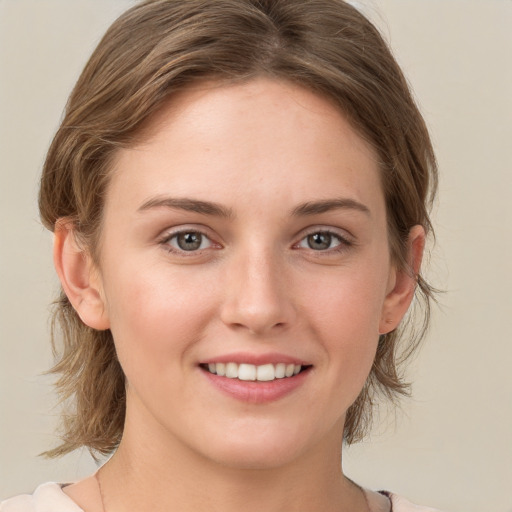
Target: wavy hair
160 47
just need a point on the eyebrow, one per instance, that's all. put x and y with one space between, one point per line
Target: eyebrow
316 207
187 204
215 209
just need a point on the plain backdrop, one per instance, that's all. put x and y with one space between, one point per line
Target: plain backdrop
452 444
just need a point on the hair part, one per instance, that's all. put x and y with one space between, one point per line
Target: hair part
161 47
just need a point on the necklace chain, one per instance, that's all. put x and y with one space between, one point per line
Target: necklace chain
98 480
364 495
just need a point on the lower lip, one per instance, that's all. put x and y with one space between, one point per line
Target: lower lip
255 392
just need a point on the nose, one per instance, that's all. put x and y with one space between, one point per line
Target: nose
257 295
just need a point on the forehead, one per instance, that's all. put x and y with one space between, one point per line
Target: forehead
262 136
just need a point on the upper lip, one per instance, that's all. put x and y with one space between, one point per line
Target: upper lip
255 359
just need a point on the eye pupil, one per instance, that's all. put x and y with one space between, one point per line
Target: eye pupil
319 241
189 241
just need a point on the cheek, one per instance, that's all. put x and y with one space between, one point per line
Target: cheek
156 314
344 313
348 303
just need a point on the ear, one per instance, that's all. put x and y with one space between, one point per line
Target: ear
402 283
79 277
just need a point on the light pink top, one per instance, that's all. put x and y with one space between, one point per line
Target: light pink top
49 497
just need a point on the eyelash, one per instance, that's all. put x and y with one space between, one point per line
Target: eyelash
165 242
342 245
343 242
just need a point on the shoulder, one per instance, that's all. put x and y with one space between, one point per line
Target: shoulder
384 501
400 504
47 497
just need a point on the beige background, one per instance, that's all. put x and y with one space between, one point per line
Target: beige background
452 447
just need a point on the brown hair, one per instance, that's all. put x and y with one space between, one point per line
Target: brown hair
160 47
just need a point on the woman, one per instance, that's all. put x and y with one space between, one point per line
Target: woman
239 194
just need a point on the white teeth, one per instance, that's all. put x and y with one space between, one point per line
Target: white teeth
221 369
232 370
246 372
251 372
280 370
265 372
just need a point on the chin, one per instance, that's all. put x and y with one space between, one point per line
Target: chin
259 447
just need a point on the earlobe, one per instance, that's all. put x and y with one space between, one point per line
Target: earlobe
79 278
403 283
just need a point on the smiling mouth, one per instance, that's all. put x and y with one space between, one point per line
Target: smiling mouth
255 373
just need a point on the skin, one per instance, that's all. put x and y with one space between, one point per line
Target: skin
261 151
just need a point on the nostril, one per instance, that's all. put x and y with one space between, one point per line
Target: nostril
248 307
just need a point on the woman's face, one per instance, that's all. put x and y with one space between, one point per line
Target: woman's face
249 228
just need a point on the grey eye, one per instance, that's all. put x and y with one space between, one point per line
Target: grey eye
320 241
189 241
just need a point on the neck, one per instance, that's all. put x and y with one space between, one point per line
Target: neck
153 476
